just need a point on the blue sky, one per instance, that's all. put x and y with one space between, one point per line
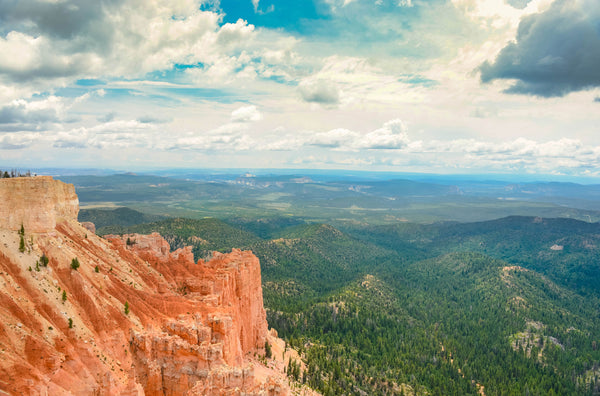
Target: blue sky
439 86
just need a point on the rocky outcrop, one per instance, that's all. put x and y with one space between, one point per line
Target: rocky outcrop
91 227
37 203
133 319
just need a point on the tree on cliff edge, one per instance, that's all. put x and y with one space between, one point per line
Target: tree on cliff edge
75 264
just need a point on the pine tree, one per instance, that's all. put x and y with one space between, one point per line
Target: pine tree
268 351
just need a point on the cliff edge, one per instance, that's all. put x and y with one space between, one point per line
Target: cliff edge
37 203
132 318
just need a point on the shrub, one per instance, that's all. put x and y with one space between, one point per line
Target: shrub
64 296
44 260
75 264
22 245
70 323
126 308
96 269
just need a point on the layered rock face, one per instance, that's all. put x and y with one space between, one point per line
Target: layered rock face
36 203
133 319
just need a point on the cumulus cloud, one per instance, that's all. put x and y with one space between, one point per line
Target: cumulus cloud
235 33
225 138
113 134
30 115
336 138
517 154
246 114
520 4
319 91
43 41
15 141
391 136
214 142
556 51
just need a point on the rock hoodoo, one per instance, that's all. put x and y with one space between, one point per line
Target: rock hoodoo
133 319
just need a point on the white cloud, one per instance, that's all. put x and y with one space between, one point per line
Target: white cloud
391 136
14 141
319 91
227 138
27 115
336 138
112 134
499 13
246 114
235 33
121 39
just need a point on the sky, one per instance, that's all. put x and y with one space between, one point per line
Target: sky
436 86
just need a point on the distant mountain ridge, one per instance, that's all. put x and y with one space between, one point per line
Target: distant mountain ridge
337 199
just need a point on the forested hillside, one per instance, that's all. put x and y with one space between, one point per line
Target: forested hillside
566 250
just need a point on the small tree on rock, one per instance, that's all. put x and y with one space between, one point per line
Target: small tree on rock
75 264
44 260
268 351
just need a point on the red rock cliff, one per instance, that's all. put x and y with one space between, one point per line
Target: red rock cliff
36 203
191 328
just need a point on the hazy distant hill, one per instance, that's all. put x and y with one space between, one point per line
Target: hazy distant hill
335 199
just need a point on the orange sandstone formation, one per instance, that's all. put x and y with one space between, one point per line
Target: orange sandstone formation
36 203
133 319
